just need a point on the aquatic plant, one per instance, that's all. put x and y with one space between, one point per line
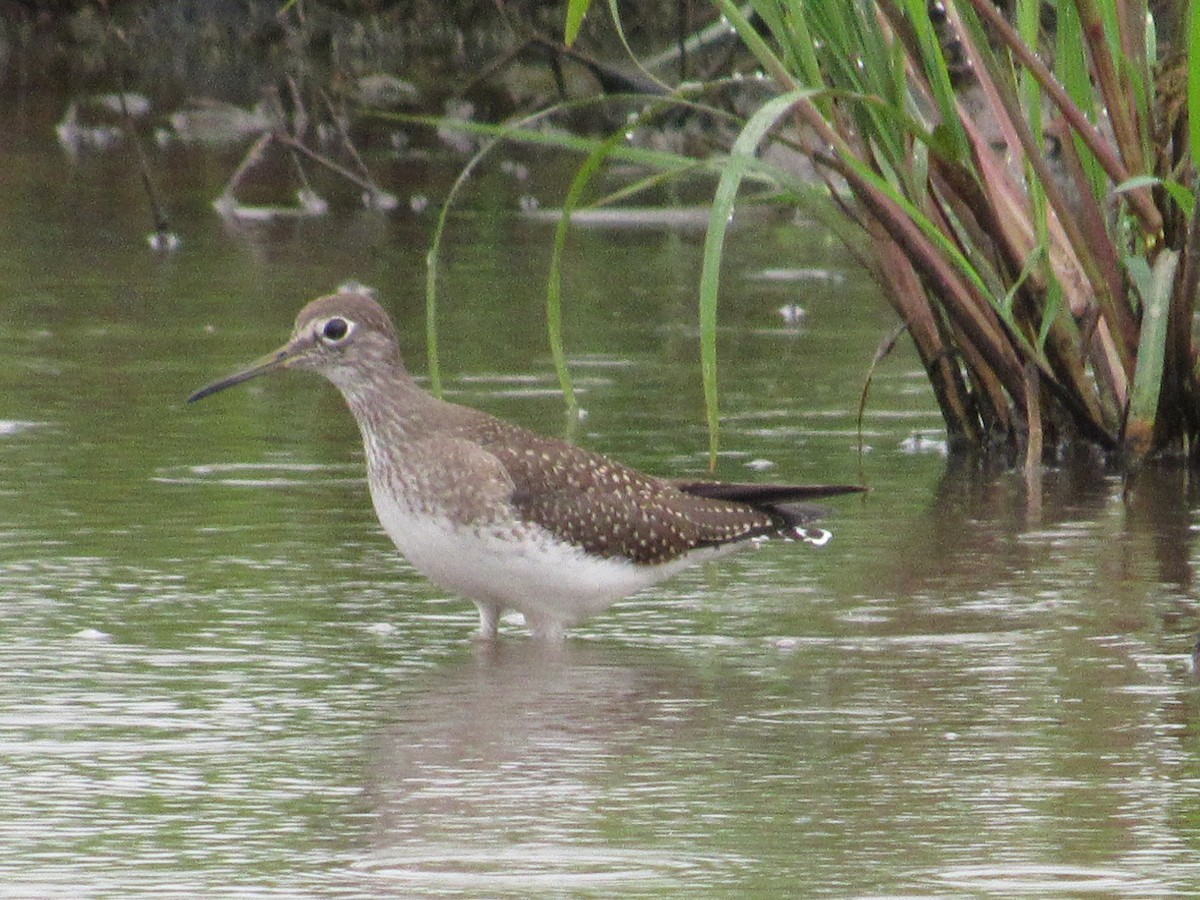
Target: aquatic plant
1023 191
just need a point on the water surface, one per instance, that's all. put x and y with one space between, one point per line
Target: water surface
217 677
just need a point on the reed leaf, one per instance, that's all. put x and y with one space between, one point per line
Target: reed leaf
1072 70
576 12
1046 299
954 141
741 158
1147 382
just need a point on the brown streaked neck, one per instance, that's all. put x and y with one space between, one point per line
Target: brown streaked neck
387 402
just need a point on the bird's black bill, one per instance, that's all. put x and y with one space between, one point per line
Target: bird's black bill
261 367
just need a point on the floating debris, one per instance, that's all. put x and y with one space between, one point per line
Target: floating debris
457 139
129 103
380 199
792 314
309 204
74 136
678 217
517 170
386 91
95 122
163 241
93 635
925 442
798 273
216 123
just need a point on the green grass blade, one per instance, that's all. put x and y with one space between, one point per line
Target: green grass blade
740 160
788 23
614 12
755 43
576 12
1183 195
521 133
1071 66
497 134
579 184
953 138
433 363
600 153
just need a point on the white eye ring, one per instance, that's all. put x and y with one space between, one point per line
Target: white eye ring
335 330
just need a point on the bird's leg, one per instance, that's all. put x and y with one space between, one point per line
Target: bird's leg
551 631
489 621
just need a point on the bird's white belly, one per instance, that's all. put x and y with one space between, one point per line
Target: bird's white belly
516 566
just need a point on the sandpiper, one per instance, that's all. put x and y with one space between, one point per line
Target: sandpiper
506 517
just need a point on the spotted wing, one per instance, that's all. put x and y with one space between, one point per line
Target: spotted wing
614 511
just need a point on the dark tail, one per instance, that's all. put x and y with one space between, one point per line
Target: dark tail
786 503
764 494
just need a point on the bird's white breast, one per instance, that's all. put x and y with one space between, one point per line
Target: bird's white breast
513 565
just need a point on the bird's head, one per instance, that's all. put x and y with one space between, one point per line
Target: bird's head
347 337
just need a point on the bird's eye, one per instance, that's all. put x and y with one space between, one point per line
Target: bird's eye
335 329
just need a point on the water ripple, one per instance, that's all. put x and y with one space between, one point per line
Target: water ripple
1029 879
262 474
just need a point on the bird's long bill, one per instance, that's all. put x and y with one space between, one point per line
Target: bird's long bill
262 366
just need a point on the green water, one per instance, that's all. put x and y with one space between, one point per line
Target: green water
218 678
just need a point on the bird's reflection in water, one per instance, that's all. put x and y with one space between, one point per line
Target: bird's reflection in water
518 768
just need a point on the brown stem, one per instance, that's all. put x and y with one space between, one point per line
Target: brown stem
1117 96
1141 200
